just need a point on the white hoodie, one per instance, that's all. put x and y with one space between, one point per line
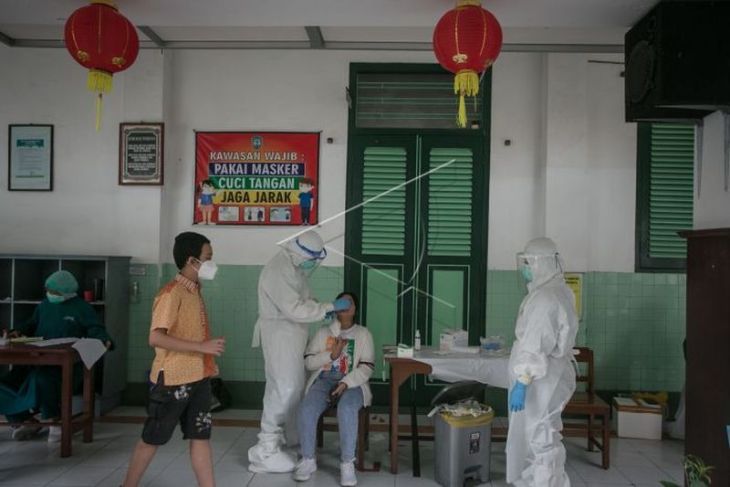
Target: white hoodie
317 357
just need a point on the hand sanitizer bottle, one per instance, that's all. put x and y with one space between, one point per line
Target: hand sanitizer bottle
417 341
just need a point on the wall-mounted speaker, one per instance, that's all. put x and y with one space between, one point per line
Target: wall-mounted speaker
678 61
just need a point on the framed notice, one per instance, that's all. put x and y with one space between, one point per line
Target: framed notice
256 178
30 158
141 159
575 283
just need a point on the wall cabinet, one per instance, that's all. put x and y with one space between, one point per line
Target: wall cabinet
22 279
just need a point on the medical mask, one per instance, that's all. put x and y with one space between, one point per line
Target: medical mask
207 270
308 265
55 298
526 273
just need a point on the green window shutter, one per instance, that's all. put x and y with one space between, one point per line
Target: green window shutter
383 220
410 100
670 188
450 203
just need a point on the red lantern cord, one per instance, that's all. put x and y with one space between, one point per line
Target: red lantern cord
466 41
102 40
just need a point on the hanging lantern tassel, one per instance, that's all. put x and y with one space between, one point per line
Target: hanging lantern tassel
99 82
466 83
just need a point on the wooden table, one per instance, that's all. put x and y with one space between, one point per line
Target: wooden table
63 356
400 370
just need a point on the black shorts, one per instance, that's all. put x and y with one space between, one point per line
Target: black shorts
188 404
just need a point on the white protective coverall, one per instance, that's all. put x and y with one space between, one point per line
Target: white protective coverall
285 310
542 356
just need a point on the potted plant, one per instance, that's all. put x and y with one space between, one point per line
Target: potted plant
696 473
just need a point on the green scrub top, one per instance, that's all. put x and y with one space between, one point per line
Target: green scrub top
71 318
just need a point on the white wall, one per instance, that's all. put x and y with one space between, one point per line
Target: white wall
712 207
516 179
87 212
261 90
569 171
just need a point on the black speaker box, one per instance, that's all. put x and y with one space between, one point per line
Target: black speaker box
678 61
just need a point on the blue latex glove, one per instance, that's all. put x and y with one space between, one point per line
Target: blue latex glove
517 397
342 304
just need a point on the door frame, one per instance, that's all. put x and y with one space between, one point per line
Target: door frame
480 235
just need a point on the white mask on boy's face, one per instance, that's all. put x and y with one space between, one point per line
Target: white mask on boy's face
207 270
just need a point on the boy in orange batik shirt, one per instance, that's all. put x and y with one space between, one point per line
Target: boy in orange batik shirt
183 363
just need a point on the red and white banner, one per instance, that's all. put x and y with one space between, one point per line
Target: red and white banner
256 178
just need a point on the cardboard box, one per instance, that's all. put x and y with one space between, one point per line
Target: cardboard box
404 351
451 338
637 418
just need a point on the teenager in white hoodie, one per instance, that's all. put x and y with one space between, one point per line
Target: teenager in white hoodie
341 359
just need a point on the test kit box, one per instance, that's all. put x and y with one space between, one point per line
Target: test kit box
636 418
451 338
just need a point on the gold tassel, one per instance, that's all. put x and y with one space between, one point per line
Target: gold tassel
466 83
98 111
99 82
461 118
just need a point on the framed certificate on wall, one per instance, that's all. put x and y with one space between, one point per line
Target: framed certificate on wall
30 157
141 159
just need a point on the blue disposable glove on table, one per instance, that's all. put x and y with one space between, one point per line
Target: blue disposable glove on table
517 397
342 304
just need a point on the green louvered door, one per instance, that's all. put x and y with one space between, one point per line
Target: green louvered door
417 254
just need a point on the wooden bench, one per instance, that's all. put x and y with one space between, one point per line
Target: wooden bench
587 403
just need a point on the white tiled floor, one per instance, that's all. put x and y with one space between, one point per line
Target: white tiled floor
103 462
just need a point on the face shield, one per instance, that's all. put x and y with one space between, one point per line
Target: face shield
313 257
538 268
524 265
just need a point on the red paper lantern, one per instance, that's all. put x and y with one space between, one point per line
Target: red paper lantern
466 41
102 40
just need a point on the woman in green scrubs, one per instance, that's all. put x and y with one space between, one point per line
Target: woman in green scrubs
25 391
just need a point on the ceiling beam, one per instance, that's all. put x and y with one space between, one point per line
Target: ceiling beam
264 45
316 40
152 35
7 40
336 46
578 48
39 43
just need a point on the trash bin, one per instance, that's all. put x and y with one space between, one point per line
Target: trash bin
462 435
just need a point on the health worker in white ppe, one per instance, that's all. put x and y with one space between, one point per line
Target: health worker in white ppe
541 369
285 310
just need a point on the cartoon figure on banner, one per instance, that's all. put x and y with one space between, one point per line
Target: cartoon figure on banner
306 199
205 202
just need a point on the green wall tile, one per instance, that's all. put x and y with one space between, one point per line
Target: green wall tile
634 322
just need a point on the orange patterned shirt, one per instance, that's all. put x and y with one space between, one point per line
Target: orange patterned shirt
179 309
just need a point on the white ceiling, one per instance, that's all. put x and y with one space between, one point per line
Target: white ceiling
343 21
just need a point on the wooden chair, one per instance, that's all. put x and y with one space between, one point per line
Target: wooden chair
587 403
363 436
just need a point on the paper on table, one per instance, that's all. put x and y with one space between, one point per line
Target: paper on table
457 349
90 349
25 339
53 341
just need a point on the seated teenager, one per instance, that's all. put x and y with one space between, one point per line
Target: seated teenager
25 391
341 360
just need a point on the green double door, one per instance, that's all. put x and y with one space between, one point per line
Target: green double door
416 244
